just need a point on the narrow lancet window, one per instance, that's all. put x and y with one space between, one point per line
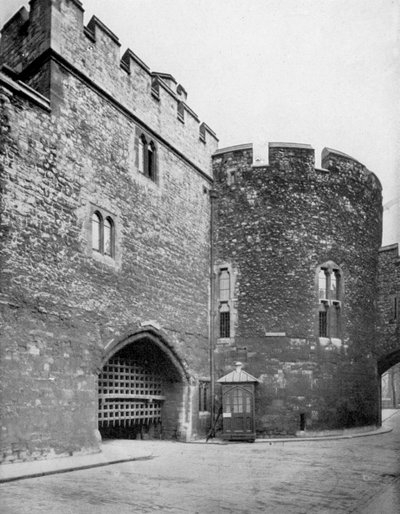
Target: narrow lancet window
225 302
333 286
142 144
150 161
224 286
108 236
146 158
103 234
322 284
330 301
96 231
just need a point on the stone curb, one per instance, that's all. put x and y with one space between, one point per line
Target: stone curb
328 437
70 468
379 431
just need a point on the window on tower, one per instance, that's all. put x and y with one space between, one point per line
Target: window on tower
330 301
225 302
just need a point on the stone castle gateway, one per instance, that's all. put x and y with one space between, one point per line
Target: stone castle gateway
139 261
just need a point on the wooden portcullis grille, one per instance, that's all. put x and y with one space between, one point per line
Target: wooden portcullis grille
130 395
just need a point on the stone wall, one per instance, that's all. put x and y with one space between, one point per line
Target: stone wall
276 225
64 304
55 31
388 301
72 115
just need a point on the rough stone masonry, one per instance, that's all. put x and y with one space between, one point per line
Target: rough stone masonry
106 271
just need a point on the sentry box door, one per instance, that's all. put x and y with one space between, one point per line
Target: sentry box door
238 405
238 411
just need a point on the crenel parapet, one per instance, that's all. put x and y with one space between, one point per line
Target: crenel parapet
299 158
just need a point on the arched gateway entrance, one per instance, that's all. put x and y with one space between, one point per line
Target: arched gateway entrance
389 360
389 373
142 389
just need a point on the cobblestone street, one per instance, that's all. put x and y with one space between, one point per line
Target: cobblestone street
360 475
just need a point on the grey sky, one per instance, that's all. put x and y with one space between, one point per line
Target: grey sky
309 71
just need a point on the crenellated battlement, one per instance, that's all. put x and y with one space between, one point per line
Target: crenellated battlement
299 159
55 31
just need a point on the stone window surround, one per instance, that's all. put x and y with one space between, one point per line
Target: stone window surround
103 224
144 141
113 259
394 308
230 303
328 303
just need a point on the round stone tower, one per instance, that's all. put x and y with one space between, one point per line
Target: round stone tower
295 279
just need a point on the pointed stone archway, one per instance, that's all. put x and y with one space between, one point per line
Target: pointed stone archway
143 389
388 360
384 364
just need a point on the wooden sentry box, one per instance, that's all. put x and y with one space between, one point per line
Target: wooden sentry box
238 411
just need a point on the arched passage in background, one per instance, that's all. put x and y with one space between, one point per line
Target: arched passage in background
389 371
142 387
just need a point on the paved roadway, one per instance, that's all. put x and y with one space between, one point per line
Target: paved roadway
359 475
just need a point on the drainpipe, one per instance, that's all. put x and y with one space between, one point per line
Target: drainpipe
213 197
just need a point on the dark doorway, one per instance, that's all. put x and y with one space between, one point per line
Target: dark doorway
140 394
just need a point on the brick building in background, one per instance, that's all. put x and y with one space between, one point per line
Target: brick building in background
106 257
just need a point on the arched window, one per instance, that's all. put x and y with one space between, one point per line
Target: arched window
103 233
224 285
225 303
96 231
329 300
147 161
334 286
151 161
108 236
322 282
141 154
